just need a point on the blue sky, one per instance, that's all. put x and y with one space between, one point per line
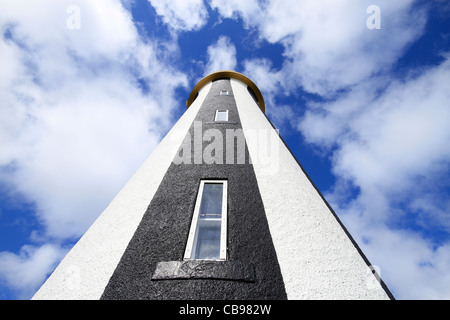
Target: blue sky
88 89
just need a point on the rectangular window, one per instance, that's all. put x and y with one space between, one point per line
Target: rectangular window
208 233
223 93
221 115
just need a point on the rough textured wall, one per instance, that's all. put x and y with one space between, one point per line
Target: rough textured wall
163 231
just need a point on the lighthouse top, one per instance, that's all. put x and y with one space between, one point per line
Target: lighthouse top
227 74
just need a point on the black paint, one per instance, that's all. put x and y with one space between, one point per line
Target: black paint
162 234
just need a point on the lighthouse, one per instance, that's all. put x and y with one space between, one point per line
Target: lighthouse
220 210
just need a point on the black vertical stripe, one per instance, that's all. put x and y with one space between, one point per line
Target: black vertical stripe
162 234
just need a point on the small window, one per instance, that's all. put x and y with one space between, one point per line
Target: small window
223 93
221 115
207 235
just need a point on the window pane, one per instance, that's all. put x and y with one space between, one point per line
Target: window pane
222 116
223 93
208 242
207 235
211 205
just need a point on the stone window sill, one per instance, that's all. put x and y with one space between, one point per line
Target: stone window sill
204 269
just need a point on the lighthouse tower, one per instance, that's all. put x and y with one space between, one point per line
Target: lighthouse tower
220 210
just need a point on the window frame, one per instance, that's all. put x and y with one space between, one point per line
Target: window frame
224 92
191 244
217 113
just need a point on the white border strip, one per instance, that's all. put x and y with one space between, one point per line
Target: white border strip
87 268
316 257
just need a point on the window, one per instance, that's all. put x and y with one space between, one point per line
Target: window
207 236
221 115
223 93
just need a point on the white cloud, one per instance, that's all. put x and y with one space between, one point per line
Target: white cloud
393 137
221 56
25 271
81 109
410 266
327 44
181 15
76 92
269 81
249 10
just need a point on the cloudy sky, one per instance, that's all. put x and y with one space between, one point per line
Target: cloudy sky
360 91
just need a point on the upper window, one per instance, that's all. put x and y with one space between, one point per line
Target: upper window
221 115
223 93
208 232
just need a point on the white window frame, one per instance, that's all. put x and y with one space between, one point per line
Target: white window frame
217 112
224 92
192 238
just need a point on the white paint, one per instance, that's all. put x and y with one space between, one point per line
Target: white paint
316 257
87 268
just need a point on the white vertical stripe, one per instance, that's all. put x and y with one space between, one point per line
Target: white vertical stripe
87 268
316 257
